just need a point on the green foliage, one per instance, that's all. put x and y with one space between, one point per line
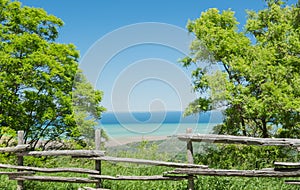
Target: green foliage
234 183
37 76
243 157
261 65
7 136
143 150
36 73
87 108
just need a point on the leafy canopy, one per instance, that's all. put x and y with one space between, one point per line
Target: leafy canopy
37 76
86 108
257 85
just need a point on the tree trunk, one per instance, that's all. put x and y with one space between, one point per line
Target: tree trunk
264 128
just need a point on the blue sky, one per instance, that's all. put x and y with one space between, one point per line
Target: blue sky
140 76
87 21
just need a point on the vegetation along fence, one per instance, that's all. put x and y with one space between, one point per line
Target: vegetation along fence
182 171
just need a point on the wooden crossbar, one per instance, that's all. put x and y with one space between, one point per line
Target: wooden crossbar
140 178
287 164
229 139
53 179
49 170
16 173
18 148
292 182
76 153
268 172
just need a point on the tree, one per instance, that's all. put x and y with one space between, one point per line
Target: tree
36 75
260 78
86 107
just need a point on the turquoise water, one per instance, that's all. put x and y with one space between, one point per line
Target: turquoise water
155 129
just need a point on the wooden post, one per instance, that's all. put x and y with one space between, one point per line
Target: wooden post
20 185
189 146
98 147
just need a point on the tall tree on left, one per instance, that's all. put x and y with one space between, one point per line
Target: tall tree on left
36 75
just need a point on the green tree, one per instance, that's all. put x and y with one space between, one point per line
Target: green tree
259 83
36 75
86 107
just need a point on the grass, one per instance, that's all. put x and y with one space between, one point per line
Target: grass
233 156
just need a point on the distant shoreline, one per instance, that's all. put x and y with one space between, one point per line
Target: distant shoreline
113 142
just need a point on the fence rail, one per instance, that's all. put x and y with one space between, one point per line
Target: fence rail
18 148
267 172
141 178
50 170
229 139
53 179
73 153
16 173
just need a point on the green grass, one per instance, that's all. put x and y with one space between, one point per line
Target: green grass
216 156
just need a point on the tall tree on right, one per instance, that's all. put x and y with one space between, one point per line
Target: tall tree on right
258 84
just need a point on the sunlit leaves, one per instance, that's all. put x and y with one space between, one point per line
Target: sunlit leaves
37 75
87 108
261 86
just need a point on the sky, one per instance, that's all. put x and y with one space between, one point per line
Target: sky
130 48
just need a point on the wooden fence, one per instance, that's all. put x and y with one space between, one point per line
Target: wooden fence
182 171
288 170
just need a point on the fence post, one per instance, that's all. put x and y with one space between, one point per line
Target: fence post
189 145
20 185
98 147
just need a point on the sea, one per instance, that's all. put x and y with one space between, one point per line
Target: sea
134 124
